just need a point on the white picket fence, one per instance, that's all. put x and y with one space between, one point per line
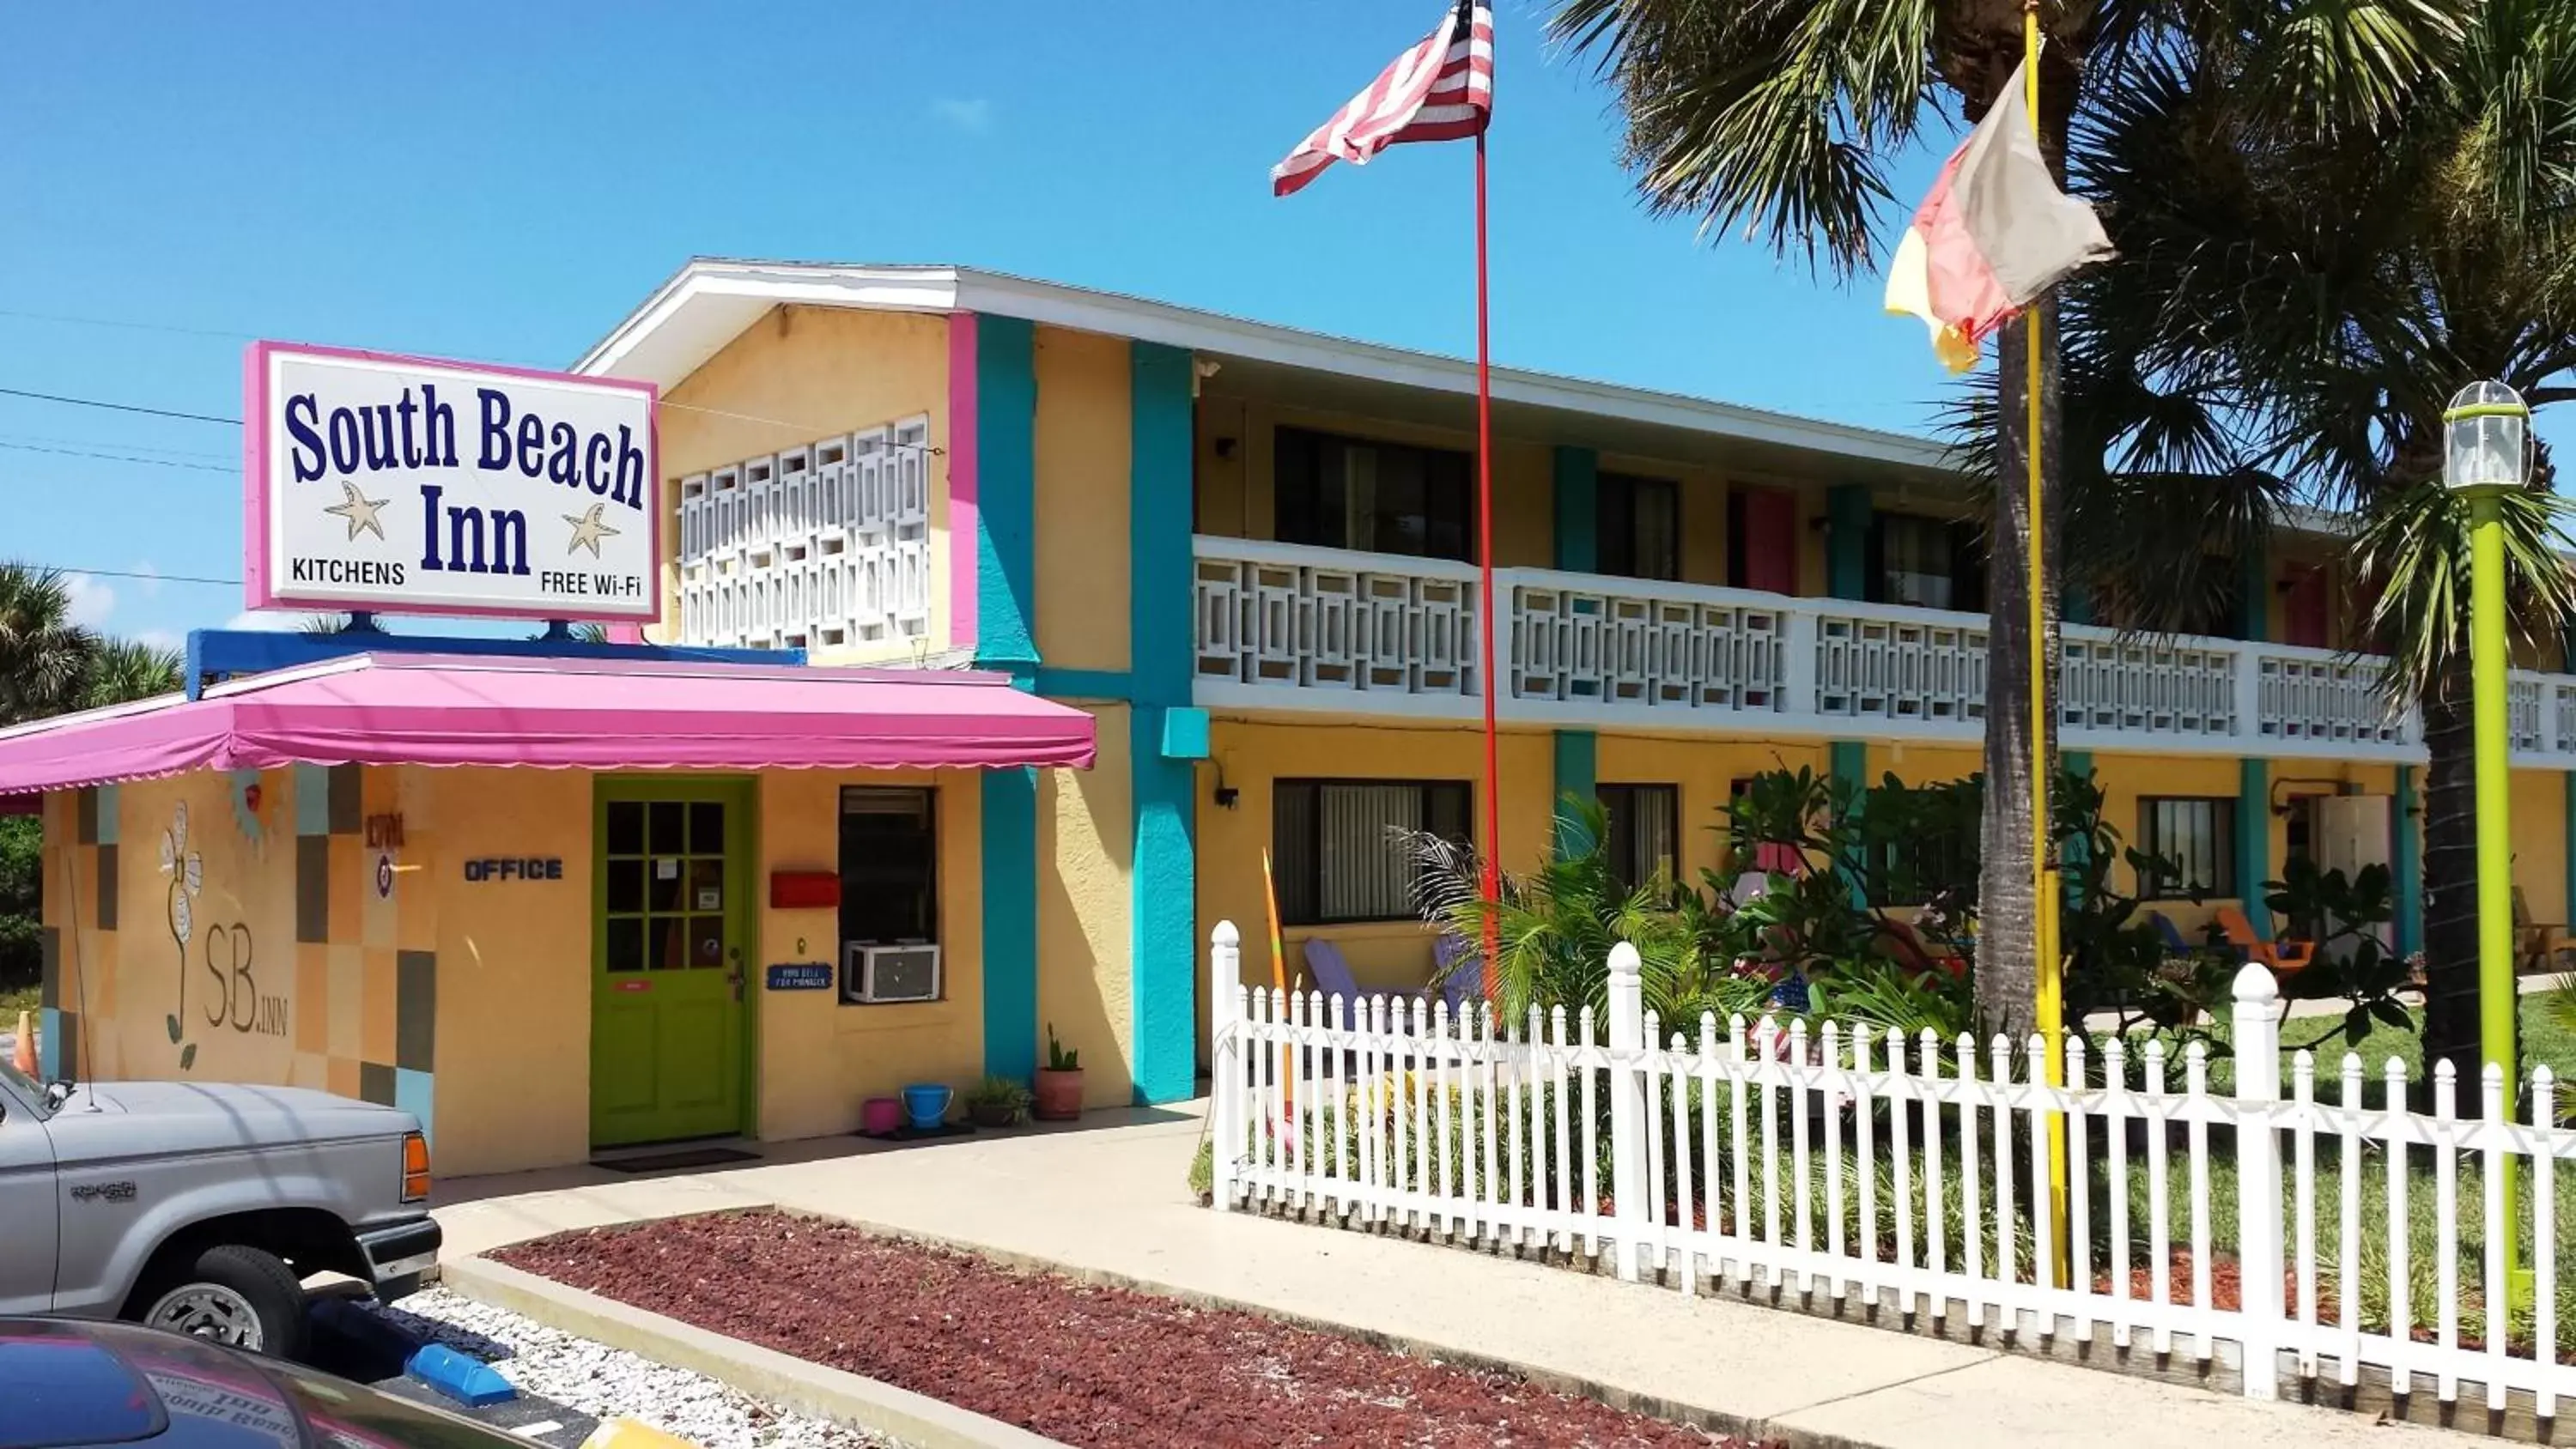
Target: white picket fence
1862 1163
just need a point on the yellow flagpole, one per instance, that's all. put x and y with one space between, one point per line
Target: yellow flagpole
2051 986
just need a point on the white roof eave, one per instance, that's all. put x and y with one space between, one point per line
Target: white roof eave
710 302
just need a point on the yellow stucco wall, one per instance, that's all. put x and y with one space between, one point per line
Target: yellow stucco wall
1083 451
797 375
818 1059
512 959
1395 954
2126 778
1086 883
2540 844
196 971
81 957
160 984
514 964
1705 772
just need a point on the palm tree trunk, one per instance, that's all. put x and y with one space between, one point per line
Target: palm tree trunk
2450 879
2007 968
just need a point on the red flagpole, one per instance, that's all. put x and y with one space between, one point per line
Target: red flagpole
1486 605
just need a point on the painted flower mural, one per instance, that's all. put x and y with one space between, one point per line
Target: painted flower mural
187 873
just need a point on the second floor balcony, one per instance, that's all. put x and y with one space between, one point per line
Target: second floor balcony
1291 628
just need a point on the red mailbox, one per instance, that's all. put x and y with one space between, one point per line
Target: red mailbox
794 890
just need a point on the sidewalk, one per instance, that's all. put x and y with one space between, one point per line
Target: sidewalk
1111 1199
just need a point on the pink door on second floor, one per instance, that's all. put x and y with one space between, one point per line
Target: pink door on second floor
2304 608
1763 553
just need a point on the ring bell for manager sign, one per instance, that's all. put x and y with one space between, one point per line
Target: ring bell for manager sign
411 486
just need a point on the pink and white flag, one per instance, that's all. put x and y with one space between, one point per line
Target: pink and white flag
1441 89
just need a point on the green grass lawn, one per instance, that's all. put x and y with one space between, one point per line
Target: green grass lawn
15 999
2545 1039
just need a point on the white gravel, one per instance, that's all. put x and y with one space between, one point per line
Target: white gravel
611 1383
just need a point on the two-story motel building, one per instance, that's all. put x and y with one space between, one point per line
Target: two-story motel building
1246 552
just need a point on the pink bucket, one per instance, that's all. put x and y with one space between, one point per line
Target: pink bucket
881 1116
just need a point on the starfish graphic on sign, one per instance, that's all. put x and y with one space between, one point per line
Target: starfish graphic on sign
359 509
588 529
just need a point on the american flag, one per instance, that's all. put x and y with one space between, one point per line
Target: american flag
1439 90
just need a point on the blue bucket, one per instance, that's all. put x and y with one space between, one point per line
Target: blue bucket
925 1104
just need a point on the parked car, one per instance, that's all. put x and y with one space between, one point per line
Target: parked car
201 1206
71 1385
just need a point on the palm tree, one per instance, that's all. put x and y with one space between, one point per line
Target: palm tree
120 670
1783 116
2295 305
42 652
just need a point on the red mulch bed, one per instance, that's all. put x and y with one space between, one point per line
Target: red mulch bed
1084 1365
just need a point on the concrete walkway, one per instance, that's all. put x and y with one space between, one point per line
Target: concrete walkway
1111 1198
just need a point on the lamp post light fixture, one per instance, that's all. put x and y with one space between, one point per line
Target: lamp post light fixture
2486 452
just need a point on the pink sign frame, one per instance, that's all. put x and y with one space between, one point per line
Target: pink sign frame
261 592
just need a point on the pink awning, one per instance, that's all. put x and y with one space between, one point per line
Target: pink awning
428 709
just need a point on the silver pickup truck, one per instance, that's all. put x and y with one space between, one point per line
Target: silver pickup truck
201 1207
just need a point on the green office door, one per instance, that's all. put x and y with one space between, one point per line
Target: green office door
668 959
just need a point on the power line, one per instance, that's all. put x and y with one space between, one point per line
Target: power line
122 458
91 402
113 322
132 574
891 445
201 453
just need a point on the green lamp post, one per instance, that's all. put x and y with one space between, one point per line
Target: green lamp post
2486 450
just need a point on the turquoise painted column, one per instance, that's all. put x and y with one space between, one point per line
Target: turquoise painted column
1577 774
1005 413
1848 760
1578 509
2254 841
2079 850
1167 736
1847 523
2254 597
2406 860
1578 550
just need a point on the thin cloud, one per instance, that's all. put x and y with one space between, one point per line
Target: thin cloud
265 621
91 601
974 115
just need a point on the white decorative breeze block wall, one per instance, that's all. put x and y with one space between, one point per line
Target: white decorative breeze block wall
825 546
2149 687
1333 623
1315 625
1877 665
1595 646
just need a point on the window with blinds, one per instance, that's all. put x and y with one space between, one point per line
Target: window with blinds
1637 528
1334 848
1645 832
2194 835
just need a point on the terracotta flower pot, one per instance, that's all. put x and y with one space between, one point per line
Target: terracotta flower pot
1059 1095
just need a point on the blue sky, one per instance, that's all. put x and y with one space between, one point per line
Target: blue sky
505 181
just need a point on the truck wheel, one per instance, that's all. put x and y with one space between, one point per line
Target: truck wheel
237 1296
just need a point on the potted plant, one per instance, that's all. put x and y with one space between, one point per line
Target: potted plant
998 1102
1060 1084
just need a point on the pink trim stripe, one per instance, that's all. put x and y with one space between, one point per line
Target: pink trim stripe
965 555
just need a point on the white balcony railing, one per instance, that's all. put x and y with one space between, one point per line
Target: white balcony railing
1282 626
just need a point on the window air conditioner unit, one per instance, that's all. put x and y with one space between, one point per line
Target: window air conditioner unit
875 974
